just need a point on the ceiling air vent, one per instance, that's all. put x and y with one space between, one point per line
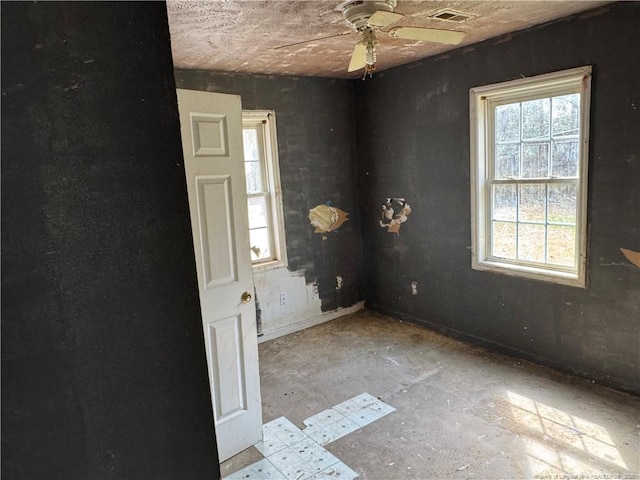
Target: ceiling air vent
453 15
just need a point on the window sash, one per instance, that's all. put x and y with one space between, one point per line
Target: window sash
491 218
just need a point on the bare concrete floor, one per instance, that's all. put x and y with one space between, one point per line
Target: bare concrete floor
461 411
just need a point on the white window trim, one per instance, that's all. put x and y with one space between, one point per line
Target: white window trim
266 119
481 101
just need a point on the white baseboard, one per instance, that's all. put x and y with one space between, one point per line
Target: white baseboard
310 322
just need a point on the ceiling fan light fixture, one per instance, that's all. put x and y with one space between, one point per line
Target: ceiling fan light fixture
369 17
358 12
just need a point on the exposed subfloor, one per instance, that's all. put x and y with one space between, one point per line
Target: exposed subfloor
460 411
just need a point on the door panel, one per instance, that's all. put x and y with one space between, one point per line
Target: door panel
225 339
216 222
209 135
211 127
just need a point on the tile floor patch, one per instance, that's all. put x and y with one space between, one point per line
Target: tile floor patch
297 454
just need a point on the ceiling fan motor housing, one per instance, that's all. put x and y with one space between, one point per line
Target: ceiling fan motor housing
358 12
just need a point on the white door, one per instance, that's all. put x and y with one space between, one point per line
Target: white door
211 126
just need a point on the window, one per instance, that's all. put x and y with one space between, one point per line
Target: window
529 151
266 228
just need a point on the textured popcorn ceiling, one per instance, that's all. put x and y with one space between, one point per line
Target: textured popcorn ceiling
242 35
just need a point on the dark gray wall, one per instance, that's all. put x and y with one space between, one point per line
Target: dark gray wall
103 363
317 154
413 142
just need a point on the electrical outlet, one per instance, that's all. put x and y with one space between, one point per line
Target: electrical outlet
414 288
338 282
283 298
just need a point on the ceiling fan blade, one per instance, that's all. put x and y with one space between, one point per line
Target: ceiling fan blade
428 35
312 40
358 57
381 18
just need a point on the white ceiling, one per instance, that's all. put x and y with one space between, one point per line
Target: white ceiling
242 35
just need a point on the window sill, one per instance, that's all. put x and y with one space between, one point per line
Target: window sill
267 266
551 276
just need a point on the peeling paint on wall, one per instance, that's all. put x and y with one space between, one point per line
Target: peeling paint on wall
285 298
327 218
633 257
394 214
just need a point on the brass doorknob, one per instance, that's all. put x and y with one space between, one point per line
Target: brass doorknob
246 297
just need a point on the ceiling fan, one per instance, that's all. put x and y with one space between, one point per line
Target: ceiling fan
369 18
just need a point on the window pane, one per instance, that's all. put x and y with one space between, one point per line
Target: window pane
258 212
562 204
535 160
508 123
532 201
254 177
531 242
561 244
504 240
535 119
508 160
250 139
260 244
564 161
565 115
504 202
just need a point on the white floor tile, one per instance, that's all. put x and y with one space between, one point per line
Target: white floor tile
364 409
325 434
291 464
315 455
284 430
347 407
270 446
325 417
